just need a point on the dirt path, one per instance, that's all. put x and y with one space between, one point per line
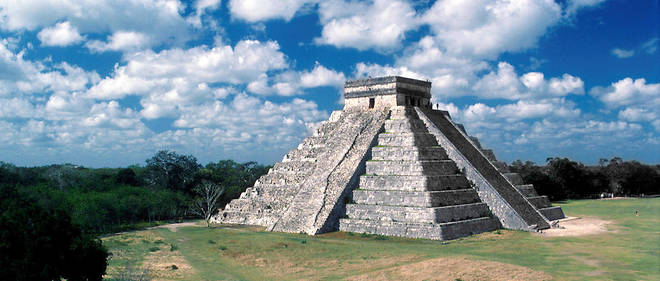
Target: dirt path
574 226
173 226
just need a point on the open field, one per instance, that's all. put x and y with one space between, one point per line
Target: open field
629 249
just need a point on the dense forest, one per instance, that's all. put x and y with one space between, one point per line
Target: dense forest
562 178
108 200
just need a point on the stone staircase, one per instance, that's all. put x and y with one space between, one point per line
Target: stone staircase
541 203
272 193
412 189
305 192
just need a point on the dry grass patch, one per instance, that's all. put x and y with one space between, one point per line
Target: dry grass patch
455 268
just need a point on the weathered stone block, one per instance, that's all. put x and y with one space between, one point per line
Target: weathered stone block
413 183
427 167
408 153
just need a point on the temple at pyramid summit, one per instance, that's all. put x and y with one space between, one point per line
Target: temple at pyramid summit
390 164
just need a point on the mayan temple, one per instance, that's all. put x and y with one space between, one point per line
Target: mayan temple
389 164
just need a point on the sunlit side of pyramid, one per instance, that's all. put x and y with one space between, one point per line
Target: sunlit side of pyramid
389 164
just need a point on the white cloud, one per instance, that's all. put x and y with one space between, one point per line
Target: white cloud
637 100
20 77
179 71
635 114
484 29
261 10
506 84
380 24
62 34
161 19
120 41
293 82
629 92
201 6
621 53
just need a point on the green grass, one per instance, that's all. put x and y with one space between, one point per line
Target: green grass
630 251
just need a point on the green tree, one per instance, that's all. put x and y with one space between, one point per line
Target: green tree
41 244
168 169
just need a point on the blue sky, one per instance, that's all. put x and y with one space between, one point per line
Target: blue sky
107 84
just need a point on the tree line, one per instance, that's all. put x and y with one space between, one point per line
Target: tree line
562 178
108 200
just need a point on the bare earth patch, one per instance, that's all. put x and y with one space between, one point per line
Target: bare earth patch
455 268
577 227
173 226
167 265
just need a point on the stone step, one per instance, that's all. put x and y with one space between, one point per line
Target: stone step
527 190
281 179
430 167
305 154
552 213
540 202
274 191
408 153
312 142
253 205
405 126
514 178
415 198
407 139
293 167
443 231
417 214
414 183
231 217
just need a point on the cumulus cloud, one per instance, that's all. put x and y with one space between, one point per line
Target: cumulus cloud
486 29
68 114
506 84
378 24
22 77
637 100
261 10
293 82
629 92
161 19
202 6
177 71
120 41
62 34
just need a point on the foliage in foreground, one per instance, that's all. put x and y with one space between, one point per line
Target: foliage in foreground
42 244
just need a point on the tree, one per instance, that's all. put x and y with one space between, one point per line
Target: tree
127 176
206 204
41 244
168 169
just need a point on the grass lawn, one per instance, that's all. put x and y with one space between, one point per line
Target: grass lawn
630 250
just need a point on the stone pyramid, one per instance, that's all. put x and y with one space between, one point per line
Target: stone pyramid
389 164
